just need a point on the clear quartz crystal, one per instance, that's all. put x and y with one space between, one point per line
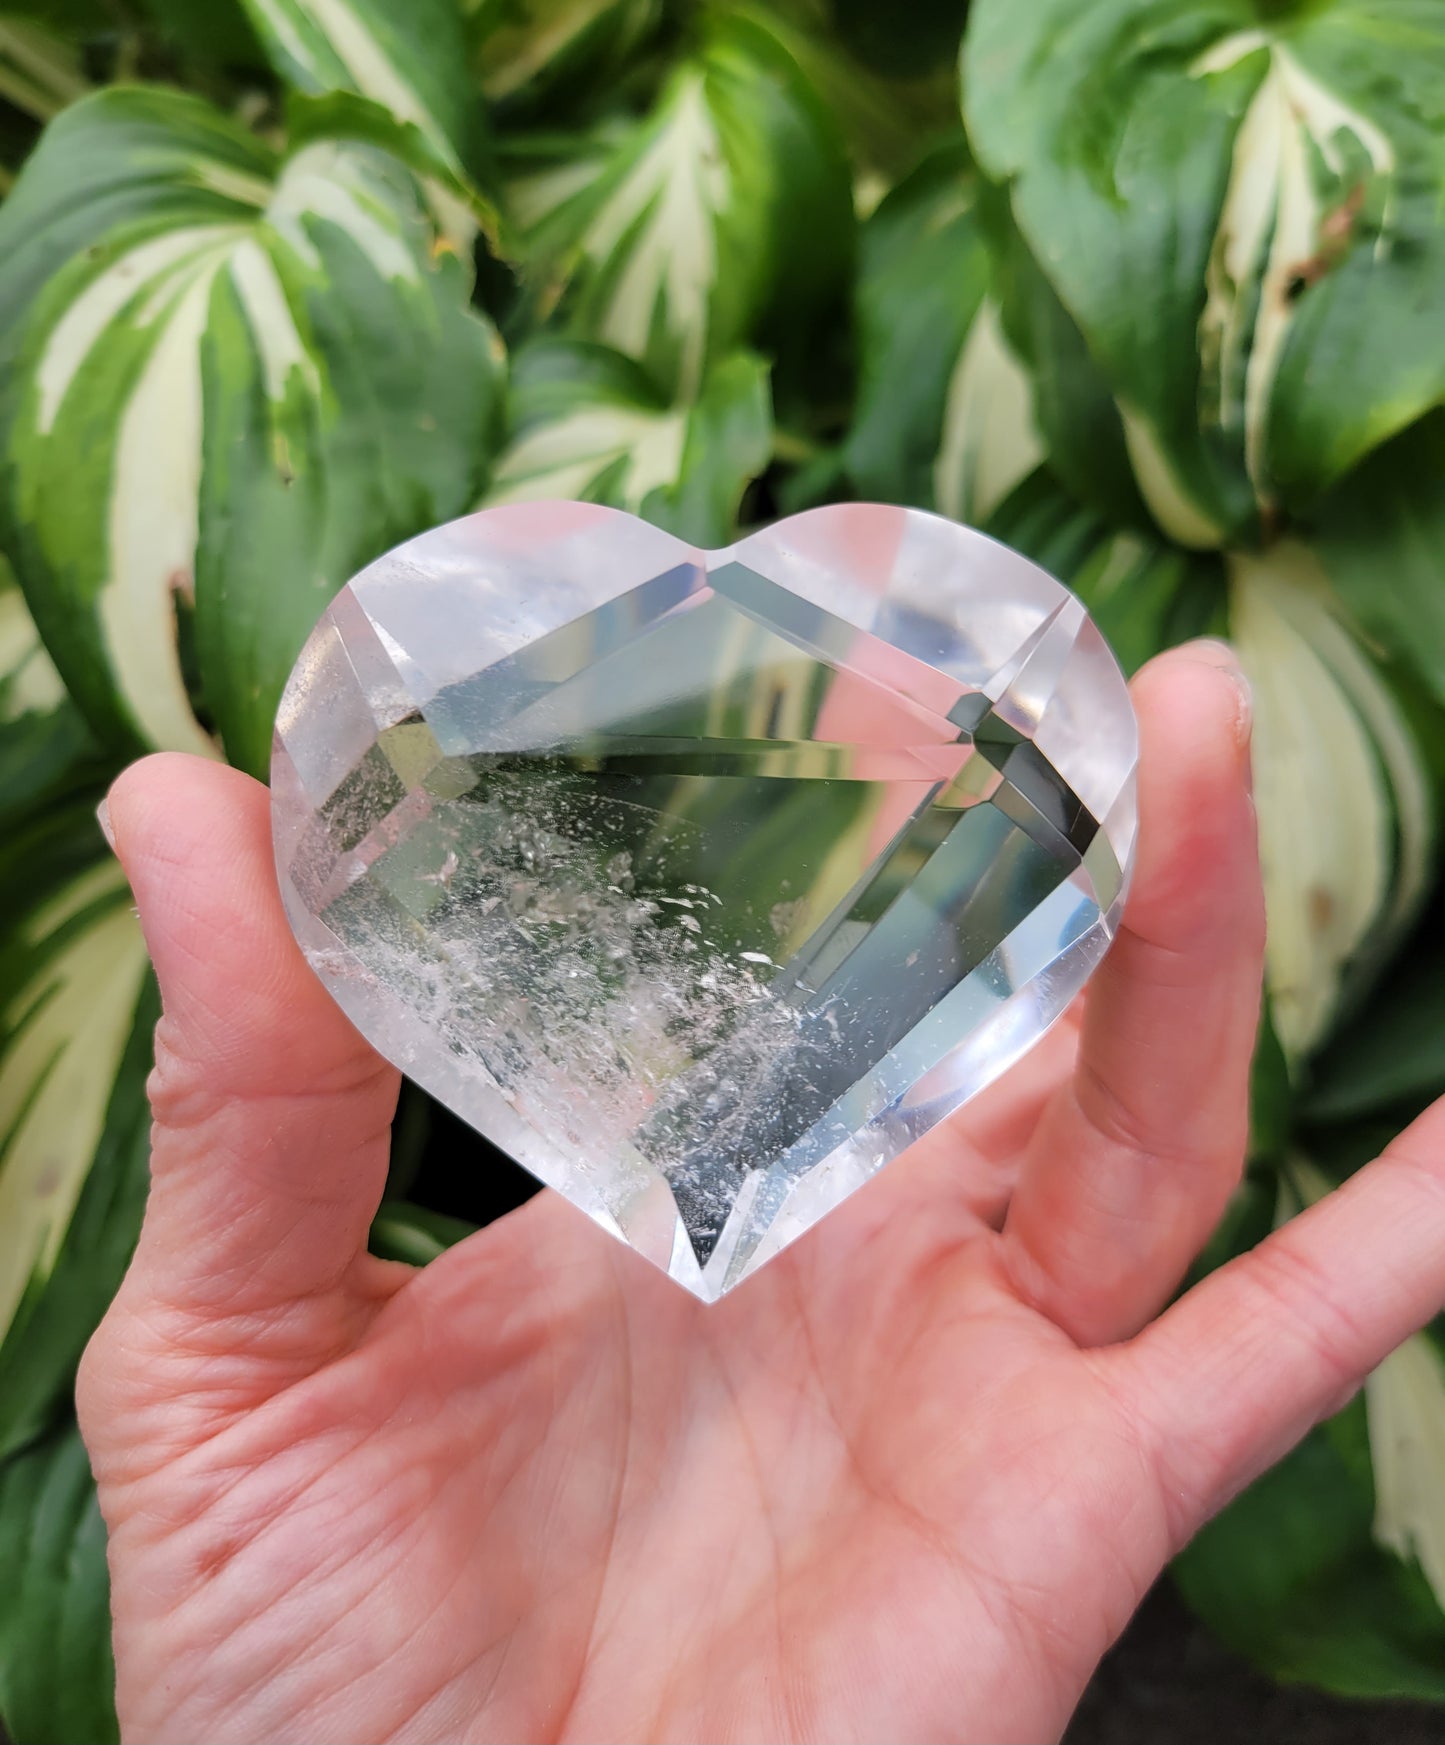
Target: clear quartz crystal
704 883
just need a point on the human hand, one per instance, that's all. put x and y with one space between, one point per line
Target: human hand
907 1483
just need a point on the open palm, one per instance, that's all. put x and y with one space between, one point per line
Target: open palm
908 1483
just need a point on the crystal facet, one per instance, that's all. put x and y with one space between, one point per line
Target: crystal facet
704 882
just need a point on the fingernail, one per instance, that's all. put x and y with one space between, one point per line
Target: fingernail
1216 652
107 829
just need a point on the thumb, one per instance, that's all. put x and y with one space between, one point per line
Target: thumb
272 1116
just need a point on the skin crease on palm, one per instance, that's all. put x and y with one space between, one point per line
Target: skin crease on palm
906 1484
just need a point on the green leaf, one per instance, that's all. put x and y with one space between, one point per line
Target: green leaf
1239 206
1291 1577
1144 594
883 117
62 1307
415 1234
726 445
1074 412
1391 1053
227 377
212 32
1380 535
945 414
1271 1093
587 424
1046 523
1346 817
723 216
1147 596
74 1051
533 52
412 59
64 18
57 1678
1322 1570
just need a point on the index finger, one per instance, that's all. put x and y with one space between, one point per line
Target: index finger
1236 1372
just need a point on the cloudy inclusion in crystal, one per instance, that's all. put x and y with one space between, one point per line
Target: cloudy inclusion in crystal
704 883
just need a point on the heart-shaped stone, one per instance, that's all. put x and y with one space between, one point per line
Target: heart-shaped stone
704 882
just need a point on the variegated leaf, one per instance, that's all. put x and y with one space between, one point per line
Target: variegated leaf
1145 594
723 215
945 414
1346 818
587 424
527 51
1405 1416
57 1676
1291 1578
29 683
884 109
1240 207
1405 1407
990 439
411 59
1291 1574
73 971
227 381
1074 412
971 371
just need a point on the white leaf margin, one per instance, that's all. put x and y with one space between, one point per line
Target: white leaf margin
565 458
1346 819
990 440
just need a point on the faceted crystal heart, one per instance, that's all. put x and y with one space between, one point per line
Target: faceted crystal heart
704 882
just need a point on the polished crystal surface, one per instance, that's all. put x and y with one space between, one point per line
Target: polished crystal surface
704 883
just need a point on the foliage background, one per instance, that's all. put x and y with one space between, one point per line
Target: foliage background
1152 289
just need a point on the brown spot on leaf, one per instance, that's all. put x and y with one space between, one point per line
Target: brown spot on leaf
1321 909
1336 230
1339 224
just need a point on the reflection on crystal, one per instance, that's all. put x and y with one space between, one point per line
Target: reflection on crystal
704 883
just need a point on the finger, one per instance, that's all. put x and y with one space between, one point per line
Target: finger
1238 1370
1132 1161
272 1115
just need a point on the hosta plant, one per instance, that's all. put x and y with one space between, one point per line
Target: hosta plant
1153 290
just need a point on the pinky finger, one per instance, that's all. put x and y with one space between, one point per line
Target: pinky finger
1239 1369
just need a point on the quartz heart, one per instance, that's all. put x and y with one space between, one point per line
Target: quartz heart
704 882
